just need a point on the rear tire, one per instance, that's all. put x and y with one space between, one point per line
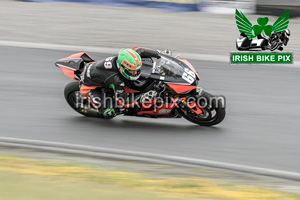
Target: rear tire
74 99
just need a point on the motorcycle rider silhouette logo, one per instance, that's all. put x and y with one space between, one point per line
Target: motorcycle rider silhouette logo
262 36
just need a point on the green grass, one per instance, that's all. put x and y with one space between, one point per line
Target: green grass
33 179
27 187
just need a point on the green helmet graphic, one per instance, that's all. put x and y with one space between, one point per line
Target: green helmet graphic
129 64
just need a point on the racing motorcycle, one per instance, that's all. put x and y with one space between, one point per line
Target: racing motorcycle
172 81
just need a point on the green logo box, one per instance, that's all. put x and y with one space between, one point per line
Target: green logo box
261 58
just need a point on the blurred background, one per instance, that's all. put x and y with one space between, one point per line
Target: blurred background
177 25
261 128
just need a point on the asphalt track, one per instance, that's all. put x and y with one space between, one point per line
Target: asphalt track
261 128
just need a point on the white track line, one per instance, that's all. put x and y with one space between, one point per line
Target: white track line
107 50
142 156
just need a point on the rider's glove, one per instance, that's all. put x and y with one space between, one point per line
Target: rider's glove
109 113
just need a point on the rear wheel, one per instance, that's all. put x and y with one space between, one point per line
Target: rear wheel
212 114
74 99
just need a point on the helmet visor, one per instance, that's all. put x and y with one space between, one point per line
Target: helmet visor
132 73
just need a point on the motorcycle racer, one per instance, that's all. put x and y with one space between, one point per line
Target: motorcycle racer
113 72
166 87
278 39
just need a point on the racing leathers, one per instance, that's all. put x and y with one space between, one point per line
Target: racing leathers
101 76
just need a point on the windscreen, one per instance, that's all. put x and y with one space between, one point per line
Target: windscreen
174 70
167 67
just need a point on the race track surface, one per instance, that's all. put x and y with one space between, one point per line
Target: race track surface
261 127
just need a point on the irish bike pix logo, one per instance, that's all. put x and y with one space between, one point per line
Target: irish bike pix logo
262 43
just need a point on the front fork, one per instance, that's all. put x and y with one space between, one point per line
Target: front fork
192 102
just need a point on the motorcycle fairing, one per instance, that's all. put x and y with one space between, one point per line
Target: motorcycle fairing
181 88
72 66
83 55
139 85
191 67
162 110
193 106
171 70
67 71
128 90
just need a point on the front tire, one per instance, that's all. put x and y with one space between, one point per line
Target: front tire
211 115
74 99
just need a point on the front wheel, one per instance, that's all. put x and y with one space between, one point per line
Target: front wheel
212 114
74 99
